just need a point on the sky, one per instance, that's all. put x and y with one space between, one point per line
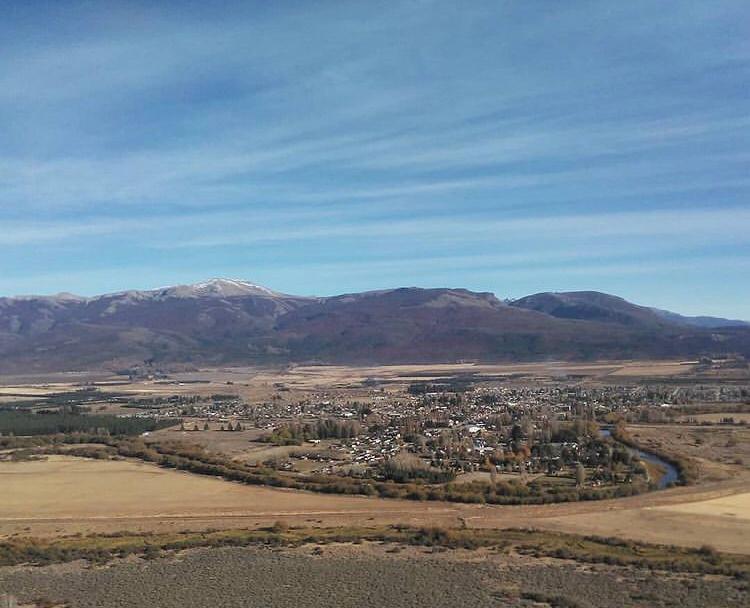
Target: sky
329 147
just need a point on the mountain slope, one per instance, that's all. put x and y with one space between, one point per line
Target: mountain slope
208 322
591 306
411 324
700 321
226 321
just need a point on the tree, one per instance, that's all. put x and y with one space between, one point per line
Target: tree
580 474
516 433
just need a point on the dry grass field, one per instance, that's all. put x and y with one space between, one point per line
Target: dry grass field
720 452
654 369
72 490
239 445
10 399
717 417
24 391
69 495
736 507
313 377
262 383
685 520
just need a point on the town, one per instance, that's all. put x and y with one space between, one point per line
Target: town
458 430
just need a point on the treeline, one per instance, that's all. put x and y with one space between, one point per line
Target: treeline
406 467
81 396
196 460
448 385
297 433
50 423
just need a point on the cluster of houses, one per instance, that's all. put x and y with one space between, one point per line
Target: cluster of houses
545 427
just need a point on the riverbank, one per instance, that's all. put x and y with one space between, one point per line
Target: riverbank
675 469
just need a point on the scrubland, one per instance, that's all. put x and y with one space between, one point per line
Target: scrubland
364 576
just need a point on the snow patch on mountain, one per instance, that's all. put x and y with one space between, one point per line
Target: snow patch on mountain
213 288
230 287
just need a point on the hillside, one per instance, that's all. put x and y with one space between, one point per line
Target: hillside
228 321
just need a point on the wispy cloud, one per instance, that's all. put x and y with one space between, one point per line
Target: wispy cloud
275 135
690 225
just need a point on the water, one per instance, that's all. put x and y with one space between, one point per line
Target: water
671 474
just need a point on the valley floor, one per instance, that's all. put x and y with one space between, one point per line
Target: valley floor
64 495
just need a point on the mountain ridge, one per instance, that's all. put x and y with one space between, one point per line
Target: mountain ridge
225 321
217 286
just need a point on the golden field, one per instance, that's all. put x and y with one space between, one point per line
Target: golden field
66 495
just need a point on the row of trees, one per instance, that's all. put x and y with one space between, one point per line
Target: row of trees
405 467
296 433
224 427
28 423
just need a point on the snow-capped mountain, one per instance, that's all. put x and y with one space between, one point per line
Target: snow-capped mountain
218 288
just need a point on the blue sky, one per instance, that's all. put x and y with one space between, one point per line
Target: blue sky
326 147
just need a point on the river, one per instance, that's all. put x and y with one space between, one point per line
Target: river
671 474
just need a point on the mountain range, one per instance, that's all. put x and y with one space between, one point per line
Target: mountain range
226 321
